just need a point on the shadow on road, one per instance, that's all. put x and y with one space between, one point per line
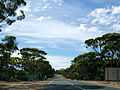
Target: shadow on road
23 87
91 86
71 87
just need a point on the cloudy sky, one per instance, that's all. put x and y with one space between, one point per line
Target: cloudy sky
60 27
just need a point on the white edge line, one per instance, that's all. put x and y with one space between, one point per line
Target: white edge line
73 84
50 82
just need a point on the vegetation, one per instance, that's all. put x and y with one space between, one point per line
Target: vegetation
31 66
91 65
8 14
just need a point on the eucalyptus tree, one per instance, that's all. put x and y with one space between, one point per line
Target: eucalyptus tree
112 45
87 65
44 69
16 62
10 43
8 11
33 60
7 48
32 53
91 65
107 46
2 50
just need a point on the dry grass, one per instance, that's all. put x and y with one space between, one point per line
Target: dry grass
104 83
29 85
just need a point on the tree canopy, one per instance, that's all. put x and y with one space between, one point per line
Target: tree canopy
8 14
31 65
107 46
91 65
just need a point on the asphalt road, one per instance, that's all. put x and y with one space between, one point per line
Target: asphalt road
60 84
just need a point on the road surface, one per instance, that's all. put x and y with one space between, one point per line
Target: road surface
60 84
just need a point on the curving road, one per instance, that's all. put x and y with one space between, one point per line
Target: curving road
60 84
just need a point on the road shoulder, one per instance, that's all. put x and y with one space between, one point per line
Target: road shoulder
103 83
26 85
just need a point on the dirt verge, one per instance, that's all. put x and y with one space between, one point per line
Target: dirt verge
23 85
104 83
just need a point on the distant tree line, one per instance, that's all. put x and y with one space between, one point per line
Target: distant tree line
91 65
32 64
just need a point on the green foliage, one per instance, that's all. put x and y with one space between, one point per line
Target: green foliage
31 66
10 43
108 46
59 71
8 10
91 65
32 53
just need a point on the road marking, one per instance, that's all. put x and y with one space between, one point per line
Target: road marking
73 84
50 82
81 88
68 82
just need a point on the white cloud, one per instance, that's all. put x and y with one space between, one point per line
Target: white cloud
39 47
56 1
42 18
86 28
51 28
82 27
108 2
83 20
106 18
45 0
54 29
100 16
42 7
31 41
116 10
59 4
46 6
115 27
59 62
8 29
54 46
99 12
98 1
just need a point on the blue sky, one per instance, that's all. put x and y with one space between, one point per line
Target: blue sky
60 27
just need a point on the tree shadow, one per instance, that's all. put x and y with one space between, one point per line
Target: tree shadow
23 87
71 87
3 85
91 86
